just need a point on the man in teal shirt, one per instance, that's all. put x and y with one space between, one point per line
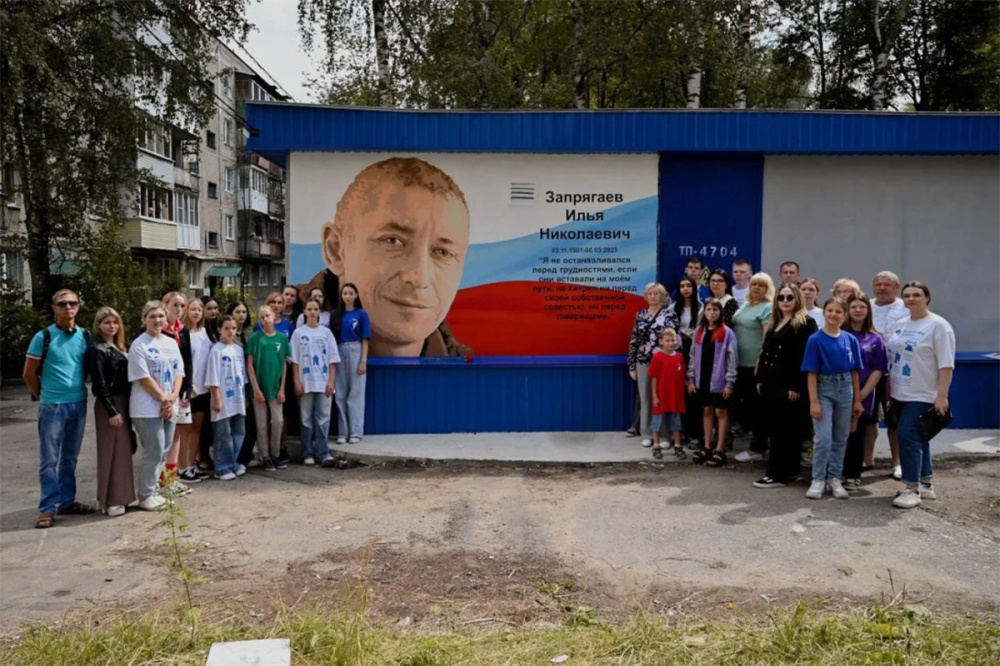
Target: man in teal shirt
62 413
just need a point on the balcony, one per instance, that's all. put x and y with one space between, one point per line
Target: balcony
276 208
249 199
186 179
151 233
254 248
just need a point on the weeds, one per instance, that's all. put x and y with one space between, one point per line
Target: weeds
331 636
175 522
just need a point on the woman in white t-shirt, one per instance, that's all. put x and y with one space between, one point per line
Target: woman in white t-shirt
921 364
190 434
811 289
156 371
225 377
314 359
316 293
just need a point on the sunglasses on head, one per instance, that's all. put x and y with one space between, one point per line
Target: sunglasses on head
784 298
68 304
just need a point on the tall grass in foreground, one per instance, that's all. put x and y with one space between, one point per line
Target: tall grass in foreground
338 635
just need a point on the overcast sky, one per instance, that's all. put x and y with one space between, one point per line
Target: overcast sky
276 46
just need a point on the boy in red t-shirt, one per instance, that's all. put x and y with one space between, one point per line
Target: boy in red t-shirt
668 375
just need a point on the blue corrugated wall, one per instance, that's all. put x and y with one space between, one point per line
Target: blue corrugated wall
710 205
498 395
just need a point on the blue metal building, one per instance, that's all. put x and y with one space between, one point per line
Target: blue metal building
730 178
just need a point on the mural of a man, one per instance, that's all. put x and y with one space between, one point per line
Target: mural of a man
401 234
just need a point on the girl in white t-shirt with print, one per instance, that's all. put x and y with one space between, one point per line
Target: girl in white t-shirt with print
314 356
921 365
156 370
225 377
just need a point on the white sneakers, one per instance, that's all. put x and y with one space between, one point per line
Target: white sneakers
341 440
309 461
927 491
816 490
115 511
228 476
647 443
837 488
907 498
354 440
152 503
749 456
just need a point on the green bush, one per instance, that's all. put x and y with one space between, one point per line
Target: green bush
18 323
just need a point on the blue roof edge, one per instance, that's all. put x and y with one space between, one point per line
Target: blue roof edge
280 128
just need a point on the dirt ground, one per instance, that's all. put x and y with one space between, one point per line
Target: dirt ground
449 546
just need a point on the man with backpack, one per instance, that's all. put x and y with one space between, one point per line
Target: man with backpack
54 374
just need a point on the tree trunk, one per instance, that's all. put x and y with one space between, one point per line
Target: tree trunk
382 52
579 66
695 71
744 54
820 50
881 48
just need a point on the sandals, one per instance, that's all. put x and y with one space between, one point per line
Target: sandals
658 452
718 459
701 456
45 520
679 453
75 509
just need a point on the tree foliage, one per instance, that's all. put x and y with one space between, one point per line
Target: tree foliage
847 54
82 82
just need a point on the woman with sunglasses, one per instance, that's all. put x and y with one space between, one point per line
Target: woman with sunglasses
781 385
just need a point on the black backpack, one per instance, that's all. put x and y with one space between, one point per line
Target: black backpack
46 341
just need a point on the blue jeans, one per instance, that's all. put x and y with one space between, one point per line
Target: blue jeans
228 434
156 436
667 423
314 408
914 450
836 400
60 435
350 393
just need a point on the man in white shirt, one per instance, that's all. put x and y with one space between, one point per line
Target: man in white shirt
887 309
742 271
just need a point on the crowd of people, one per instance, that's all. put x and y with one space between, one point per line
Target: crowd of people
809 383
205 394
208 394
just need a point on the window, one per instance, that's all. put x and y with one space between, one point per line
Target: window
210 139
230 228
276 275
230 179
227 86
255 180
155 202
169 268
12 267
193 274
9 184
262 275
213 190
213 239
227 131
158 142
186 209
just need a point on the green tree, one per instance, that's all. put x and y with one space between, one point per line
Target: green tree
82 81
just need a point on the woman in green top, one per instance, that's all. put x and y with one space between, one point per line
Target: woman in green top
266 352
748 324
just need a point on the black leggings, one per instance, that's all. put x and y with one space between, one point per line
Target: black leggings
750 408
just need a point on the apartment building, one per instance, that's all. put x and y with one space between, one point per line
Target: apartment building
216 216
209 210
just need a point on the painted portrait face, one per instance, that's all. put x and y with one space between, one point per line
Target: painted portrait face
404 248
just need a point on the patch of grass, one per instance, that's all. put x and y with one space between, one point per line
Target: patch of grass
336 635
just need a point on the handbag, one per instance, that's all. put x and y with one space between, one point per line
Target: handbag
932 422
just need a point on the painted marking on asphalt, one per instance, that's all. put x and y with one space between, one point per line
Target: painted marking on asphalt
977 445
